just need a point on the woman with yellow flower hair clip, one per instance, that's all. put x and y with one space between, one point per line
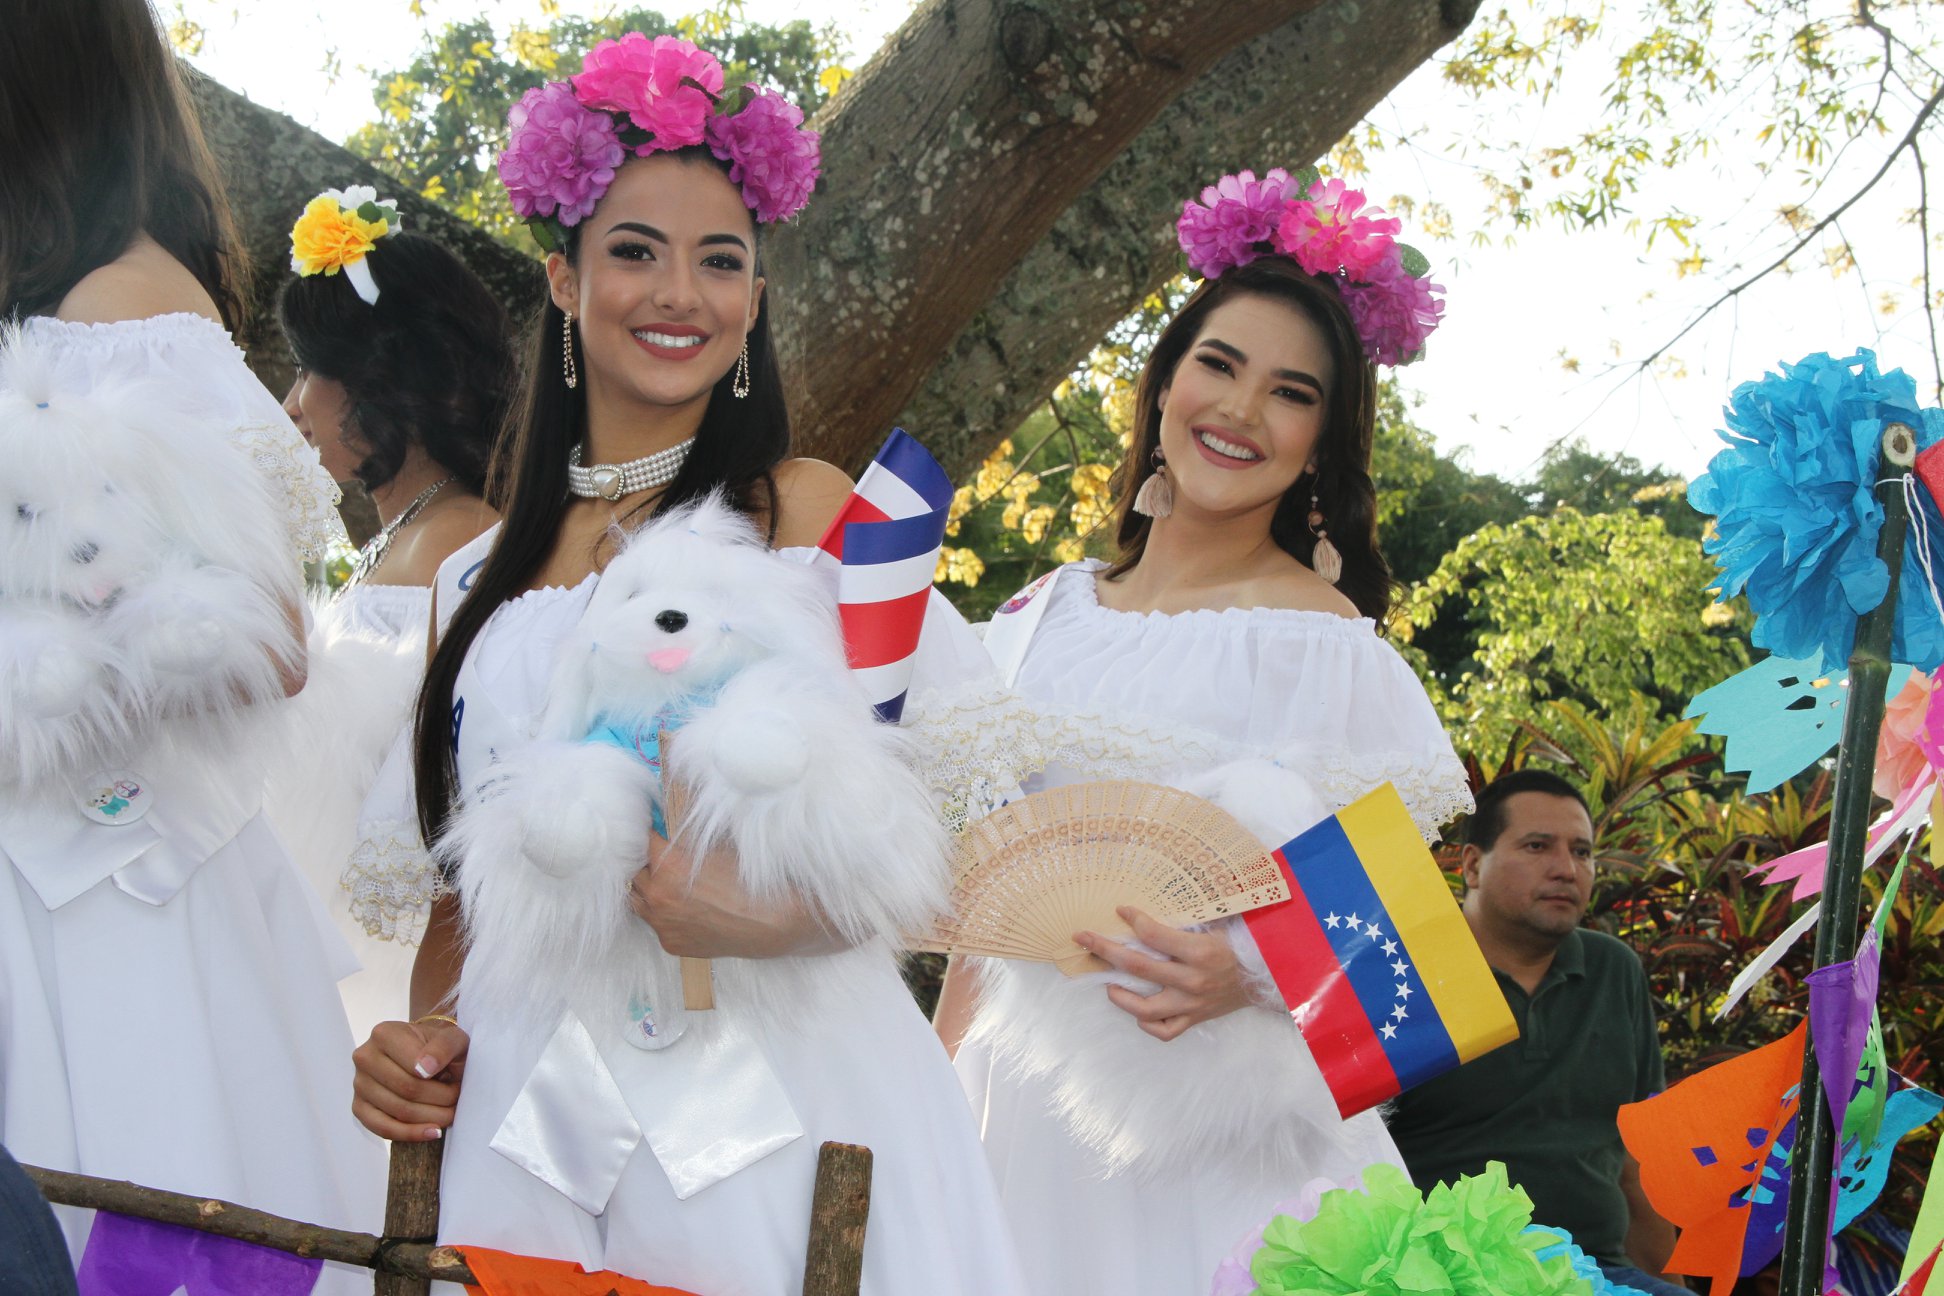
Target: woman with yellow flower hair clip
405 370
167 1006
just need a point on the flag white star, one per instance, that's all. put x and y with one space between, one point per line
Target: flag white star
1372 930
1352 920
1404 991
1390 1031
1331 921
1399 1013
1390 948
1400 967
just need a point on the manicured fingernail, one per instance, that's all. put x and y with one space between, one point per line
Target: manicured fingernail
1125 913
427 1067
433 1132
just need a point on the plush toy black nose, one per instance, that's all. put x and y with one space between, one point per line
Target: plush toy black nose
86 553
671 620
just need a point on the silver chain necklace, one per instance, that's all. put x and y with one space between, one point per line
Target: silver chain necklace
612 481
378 546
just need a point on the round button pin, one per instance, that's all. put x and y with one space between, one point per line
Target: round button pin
115 798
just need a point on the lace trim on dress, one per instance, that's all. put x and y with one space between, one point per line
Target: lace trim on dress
306 496
393 881
977 744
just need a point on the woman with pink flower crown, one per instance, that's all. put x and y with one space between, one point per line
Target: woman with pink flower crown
1139 1128
653 383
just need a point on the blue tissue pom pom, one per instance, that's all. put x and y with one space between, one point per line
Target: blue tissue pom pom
1795 512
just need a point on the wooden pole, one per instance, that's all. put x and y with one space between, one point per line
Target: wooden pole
411 1210
840 1207
247 1224
1806 1229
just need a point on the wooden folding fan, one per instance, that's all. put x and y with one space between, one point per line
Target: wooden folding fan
1032 873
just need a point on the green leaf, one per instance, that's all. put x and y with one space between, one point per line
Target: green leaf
1416 264
545 232
370 213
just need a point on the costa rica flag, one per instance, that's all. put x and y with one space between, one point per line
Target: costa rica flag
1375 959
886 540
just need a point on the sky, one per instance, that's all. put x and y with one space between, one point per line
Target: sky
1496 386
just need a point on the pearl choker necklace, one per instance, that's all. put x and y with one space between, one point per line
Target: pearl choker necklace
612 481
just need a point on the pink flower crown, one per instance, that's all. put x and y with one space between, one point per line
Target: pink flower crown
1326 228
642 96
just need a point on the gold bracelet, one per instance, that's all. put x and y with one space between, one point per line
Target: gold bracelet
454 1021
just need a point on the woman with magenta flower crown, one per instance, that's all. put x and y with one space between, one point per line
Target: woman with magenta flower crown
652 385
1138 1128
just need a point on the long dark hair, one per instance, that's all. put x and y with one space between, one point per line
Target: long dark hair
740 442
101 143
430 364
1345 494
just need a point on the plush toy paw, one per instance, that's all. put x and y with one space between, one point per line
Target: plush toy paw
55 683
571 808
184 643
760 750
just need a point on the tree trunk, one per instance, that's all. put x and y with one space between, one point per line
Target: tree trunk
1282 99
1000 185
947 158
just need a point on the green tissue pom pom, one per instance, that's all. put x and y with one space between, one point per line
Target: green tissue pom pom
1464 1239
1416 264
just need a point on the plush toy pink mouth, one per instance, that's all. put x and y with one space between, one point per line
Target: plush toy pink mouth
670 660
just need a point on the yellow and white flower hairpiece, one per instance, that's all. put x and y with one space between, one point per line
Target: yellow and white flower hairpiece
338 229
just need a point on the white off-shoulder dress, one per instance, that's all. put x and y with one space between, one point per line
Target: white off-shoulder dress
1162 698
864 1069
176 1023
367 658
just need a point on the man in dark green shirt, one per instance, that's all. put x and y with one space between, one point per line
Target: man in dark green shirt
1545 1104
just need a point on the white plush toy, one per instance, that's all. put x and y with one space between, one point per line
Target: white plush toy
696 630
1224 1093
139 603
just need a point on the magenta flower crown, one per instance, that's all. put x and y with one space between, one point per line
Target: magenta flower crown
641 96
1326 228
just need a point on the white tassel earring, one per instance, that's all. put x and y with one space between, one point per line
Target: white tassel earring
1155 499
740 387
567 350
1324 558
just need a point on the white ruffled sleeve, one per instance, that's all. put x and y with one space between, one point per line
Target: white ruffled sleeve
1376 726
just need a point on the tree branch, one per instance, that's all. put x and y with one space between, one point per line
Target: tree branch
1928 306
247 1224
1909 140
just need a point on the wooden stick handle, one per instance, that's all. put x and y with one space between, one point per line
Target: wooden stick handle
840 1207
698 985
411 1209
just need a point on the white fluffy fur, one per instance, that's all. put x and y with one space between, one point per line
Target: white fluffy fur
1227 1091
787 768
144 576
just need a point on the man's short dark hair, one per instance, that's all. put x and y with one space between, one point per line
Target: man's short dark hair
1488 820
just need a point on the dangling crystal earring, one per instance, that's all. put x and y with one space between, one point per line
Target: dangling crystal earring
1325 561
1155 499
740 387
567 350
